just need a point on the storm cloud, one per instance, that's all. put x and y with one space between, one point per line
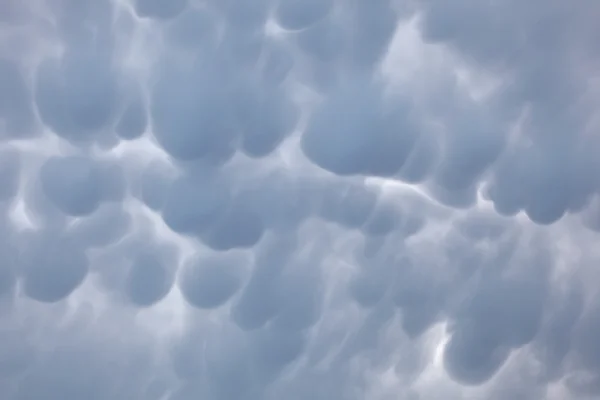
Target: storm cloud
325 199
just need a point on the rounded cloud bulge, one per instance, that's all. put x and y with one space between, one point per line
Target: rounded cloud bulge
328 199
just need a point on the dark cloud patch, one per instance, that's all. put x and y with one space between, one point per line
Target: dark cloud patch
72 15
295 14
490 324
77 96
134 120
275 349
52 267
209 282
77 185
421 304
239 227
89 91
324 41
277 63
372 27
150 278
194 203
138 270
264 118
191 114
244 16
355 131
538 60
473 357
106 226
194 29
550 185
16 109
472 145
385 219
160 9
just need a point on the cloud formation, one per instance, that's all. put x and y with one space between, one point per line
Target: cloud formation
325 199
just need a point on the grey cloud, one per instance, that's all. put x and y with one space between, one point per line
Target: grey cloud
104 227
149 279
490 328
190 113
136 269
552 184
349 204
257 303
194 203
421 162
240 227
16 108
245 15
209 282
385 219
584 343
283 201
83 364
17 355
196 29
160 9
538 56
355 131
77 185
77 96
276 349
473 358
134 120
324 40
299 301
234 199
8 273
294 14
278 63
374 277
371 27
154 184
264 117
10 165
554 343
52 267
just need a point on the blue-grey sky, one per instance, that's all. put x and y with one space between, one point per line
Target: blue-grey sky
299 199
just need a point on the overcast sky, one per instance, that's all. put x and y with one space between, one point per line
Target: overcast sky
299 199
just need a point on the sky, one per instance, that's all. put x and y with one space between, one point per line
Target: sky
299 199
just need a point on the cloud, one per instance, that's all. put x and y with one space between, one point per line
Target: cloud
208 282
319 199
296 15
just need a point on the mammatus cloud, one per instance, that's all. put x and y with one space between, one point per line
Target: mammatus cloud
316 199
